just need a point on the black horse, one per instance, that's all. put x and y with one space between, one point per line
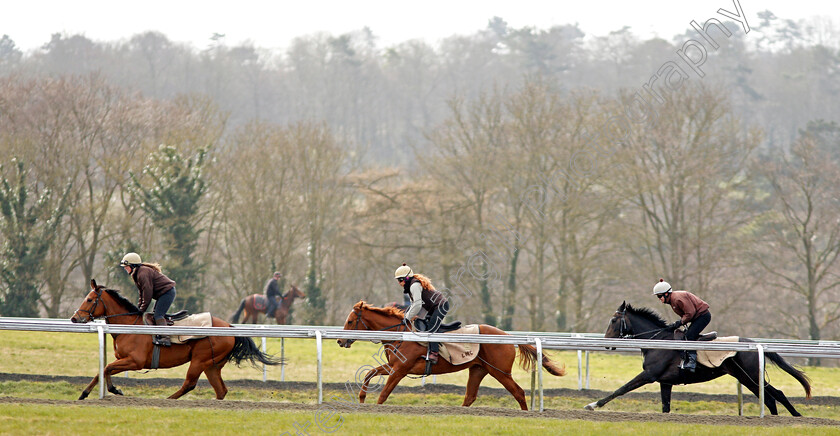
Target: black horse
663 365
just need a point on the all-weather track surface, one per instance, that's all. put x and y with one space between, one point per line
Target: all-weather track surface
585 396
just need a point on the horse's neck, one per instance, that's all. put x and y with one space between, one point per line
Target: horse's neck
288 300
381 322
112 307
646 327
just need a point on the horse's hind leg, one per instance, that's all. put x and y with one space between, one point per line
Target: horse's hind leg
477 373
778 395
214 376
190 381
770 393
507 381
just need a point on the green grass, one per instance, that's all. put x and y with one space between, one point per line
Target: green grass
77 355
19 419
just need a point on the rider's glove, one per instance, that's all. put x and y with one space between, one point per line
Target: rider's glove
675 325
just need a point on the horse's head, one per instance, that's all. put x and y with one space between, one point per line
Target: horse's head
354 322
635 322
295 292
92 306
619 323
367 317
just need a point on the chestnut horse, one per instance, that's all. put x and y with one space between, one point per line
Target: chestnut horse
406 357
255 304
134 352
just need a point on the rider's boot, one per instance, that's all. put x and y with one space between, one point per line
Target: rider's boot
433 352
433 357
162 340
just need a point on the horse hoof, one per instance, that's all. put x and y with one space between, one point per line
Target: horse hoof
84 395
591 406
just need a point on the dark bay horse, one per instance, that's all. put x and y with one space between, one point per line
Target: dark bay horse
255 304
405 357
134 352
662 366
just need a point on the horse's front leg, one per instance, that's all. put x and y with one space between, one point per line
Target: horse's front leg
396 376
378 371
665 393
640 380
115 367
89 387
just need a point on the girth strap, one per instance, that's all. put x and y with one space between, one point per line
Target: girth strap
156 357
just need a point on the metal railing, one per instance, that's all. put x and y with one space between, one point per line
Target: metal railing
541 340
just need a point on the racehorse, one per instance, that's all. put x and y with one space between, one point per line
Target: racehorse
405 357
662 366
134 351
255 304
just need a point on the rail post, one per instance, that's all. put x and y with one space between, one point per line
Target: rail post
539 369
318 347
760 380
100 332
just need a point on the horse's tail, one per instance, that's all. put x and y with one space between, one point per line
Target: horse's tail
792 370
245 349
528 360
235 318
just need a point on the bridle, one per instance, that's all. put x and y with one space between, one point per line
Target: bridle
624 328
89 312
360 320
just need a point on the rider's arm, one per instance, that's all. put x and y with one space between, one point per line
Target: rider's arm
416 290
146 287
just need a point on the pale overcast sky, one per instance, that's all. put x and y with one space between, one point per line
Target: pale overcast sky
273 24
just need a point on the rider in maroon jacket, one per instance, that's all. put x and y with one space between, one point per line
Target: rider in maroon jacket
691 309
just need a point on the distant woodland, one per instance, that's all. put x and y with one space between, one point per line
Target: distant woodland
539 176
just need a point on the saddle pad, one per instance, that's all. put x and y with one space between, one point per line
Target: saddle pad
197 320
459 353
713 359
260 302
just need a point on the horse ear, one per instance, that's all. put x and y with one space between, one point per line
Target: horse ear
93 284
623 305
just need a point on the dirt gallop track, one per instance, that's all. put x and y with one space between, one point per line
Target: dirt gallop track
585 396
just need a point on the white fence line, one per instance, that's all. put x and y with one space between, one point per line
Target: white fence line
542 340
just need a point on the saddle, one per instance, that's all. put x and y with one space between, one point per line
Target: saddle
421 326
711 336
149 317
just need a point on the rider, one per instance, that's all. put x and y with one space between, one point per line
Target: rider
151 283
428 306
272 291
691 309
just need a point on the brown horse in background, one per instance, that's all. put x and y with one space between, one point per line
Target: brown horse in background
405 357
134 351
255 304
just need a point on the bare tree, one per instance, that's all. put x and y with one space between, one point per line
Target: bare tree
802 235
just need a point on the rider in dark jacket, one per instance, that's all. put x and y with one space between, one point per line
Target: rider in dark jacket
272 292
428 306
691 309
152 284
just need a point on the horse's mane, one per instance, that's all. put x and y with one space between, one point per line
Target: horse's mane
649 314
115 294
388 311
